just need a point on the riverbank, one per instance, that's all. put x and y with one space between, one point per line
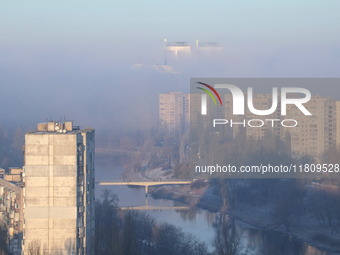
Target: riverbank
321 237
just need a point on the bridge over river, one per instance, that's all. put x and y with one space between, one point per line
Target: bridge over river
146 184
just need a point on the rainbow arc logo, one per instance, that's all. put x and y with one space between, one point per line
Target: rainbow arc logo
209 93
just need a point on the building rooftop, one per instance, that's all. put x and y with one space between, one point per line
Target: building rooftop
208 45
180 44
59 128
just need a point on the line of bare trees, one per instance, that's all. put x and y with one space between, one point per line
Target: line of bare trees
325 206
133 232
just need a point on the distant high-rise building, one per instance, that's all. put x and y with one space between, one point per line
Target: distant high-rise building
177 47
208 46
59 189
174 110
314 134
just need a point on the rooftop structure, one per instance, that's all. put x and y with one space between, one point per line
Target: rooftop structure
177 47
208 46
14 175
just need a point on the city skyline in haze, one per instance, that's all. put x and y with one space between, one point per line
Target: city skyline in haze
74 59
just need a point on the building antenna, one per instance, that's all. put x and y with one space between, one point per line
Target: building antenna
165 63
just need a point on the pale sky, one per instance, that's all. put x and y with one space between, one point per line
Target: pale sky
85 23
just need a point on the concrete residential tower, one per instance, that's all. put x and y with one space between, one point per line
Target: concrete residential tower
174 110
59 189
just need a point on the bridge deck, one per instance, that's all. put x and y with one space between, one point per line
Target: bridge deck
143 183
148 208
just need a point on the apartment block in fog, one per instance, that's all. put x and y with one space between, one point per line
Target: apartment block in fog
174 110
316 133
59 189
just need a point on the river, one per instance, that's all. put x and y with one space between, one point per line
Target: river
200 222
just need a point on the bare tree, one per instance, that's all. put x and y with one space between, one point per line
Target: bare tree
143 224
284 212
224 191
107 225
167 238
34 248
324 206
170 239
314 203
228 239
128 236
191 245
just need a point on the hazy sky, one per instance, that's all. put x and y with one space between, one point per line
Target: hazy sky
75 57
130 23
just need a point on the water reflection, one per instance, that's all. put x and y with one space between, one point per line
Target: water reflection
229 237
189 215
272 242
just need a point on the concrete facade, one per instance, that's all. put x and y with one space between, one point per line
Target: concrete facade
174 110
59 189
317 133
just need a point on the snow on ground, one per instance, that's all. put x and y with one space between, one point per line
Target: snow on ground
158 174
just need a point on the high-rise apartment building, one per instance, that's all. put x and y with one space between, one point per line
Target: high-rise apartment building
314 134
59 189
174 110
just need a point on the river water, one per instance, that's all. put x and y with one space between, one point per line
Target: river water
199 222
